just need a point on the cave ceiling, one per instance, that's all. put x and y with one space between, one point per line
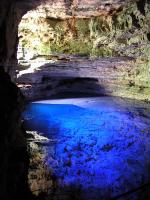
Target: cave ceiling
101 6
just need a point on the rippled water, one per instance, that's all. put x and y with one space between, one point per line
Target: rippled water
99 147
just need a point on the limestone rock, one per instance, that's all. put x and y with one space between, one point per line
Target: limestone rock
103 76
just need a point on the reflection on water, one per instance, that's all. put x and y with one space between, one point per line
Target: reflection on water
98 148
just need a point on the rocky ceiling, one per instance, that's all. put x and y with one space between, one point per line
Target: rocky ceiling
75 7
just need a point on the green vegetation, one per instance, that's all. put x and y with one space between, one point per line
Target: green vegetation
126 33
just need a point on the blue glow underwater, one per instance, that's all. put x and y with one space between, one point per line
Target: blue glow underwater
102 144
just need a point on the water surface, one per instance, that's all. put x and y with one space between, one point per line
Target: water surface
99 147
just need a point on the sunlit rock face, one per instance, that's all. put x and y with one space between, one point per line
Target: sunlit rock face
72 74
80 8
95 29
55 25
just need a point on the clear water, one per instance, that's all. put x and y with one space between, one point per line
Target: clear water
102 145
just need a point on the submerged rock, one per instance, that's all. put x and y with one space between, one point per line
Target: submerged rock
34 136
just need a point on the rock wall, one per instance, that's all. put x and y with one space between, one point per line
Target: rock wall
13 152
10 18
13 149
103 76
81 8
11 12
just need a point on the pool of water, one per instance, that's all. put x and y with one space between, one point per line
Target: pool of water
99 148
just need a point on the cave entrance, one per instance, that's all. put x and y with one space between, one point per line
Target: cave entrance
59 46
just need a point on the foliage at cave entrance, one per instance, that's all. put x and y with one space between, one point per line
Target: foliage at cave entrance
126 33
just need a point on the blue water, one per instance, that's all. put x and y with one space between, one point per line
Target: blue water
102 145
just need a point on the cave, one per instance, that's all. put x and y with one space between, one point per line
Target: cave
75 100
